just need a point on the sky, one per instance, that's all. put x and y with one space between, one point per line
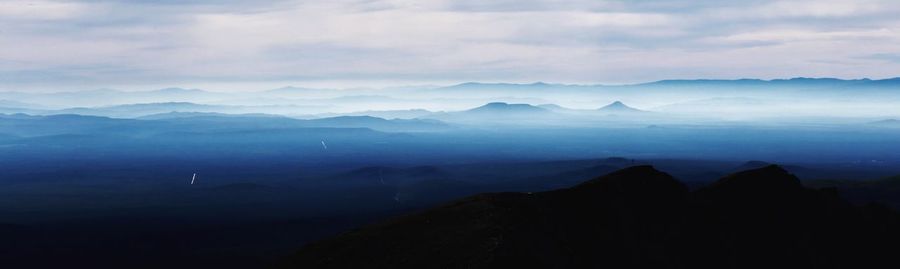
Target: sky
89 44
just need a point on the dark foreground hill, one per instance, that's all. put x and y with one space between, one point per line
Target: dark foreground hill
633 218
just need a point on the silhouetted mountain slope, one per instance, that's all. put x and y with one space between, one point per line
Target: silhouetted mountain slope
636 217
561 180
432 191
765 216
751 165
884 190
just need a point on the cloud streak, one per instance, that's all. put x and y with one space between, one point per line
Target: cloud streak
101 43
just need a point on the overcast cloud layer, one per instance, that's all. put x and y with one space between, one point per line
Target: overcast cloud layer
83 44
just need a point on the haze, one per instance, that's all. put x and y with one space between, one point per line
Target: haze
539 133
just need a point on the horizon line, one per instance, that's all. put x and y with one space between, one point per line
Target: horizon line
458 83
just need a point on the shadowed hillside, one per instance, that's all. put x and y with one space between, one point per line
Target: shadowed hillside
635 217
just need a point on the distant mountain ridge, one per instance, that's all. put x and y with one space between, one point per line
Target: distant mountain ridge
495 112
675 82
619 107
887 122
501 107
28 125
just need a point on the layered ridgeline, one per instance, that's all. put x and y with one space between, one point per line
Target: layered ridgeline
720 99
635 217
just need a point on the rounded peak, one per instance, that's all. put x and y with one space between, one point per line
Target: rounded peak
618 160
770 178
750 165
645 168
771 169
634 177
618 106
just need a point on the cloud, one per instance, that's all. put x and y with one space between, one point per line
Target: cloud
40 10
101 43
886 57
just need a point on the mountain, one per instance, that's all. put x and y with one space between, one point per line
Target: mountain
143 109
497 113
477 86
180 115
750 165
887 122
364 99
27 125
385 114
175 95
552 107
564 110
891 82
110 97
564 179
491 91
69 124
801 82
619 107
379 123
434 191
268 121
881 190
688 88
505 108
798 82
636 217
17 104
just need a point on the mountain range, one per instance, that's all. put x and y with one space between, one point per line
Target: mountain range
637 217
28 125
618 107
